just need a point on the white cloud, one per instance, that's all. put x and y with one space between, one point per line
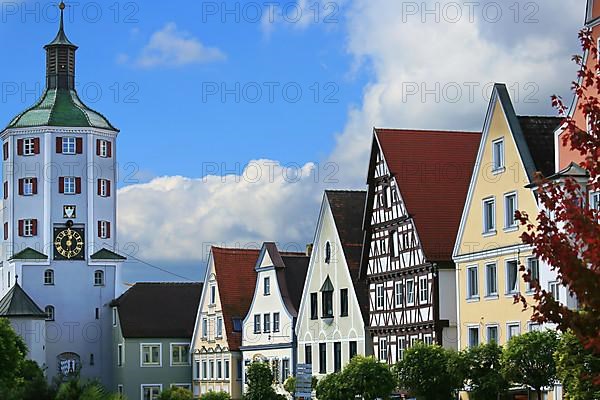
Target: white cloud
171 47
170 217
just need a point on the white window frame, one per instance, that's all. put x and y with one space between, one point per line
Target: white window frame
50 311
512 291
150 365
498 165
103 187
512 324
410 294
211 369
49 273
267 286
488 292
219 328
472 328
186 363
28 186
424 290
213 294
99 274
554 289
534 326
383 349
257 323
204 328
401 347
267 323
114 316
120 389
69 145
276 323
70 185
103 230
487 332
226 366
150 385
120 355
103 148
492 230
185 386
513 223
28 227
380 296
399 293
472 294
219 366
29 146
594 200
537 262
204 369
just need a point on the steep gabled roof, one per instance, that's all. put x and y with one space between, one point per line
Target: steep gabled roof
159 309
433 170
17 303
291 269
347 208
236 278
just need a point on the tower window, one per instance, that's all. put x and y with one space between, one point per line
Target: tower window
28 147
49 313
69 185
68 145
99 278
103 187
49 277
27 227
103 229
327 253
103 148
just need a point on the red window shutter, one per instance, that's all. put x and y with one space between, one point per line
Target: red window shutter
6 231
78 185
78 145
5 190
34 227
5 150
36 146
107 188
108 230
99 229
34 185
97 147
61 185
108 148
59 145
21 227
21 187
20 147
99 187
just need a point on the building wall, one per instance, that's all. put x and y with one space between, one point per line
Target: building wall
212 348
74 296
269 346
342 329
131 375
33 333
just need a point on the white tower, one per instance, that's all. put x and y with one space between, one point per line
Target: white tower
59 214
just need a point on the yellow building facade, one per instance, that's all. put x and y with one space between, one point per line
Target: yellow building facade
489 250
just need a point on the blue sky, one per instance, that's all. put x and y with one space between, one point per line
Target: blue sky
183 149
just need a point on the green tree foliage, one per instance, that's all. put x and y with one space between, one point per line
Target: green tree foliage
363 376
576 367
483 369
20 379
528 360
369 378
176 393
260 383
74 389
430 372
290 385
215 396
334 387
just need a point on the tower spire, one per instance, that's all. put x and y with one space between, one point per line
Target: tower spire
60 58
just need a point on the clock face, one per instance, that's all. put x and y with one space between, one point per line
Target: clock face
69 244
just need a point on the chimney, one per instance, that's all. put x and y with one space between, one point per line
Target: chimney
309 248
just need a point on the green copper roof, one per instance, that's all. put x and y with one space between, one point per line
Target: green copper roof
60 107
106 254
17 303
29 254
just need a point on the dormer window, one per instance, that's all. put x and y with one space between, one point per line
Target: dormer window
327 253
327 298
498 155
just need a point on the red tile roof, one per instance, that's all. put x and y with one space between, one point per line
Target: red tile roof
433 170
236 278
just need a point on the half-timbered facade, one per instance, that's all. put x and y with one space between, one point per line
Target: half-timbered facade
417 184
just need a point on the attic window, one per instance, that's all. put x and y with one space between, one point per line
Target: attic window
327 253
327 298
237 324
498 155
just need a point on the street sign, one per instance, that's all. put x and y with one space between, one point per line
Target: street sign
304 381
